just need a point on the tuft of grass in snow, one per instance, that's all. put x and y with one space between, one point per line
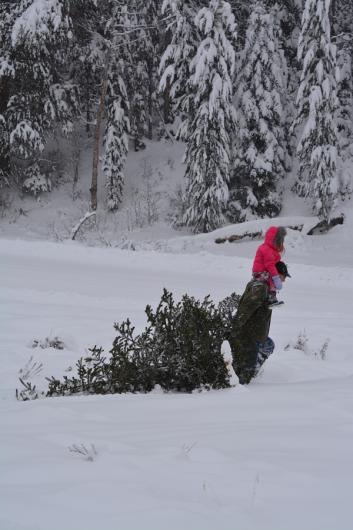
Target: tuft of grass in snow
301 344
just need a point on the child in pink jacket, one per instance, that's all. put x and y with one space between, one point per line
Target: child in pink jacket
267 255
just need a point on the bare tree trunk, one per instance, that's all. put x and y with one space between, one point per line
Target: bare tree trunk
76 153
88 113
4 98
167 104
96 137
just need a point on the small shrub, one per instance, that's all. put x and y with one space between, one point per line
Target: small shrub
35 182
301 343
322 352
49 342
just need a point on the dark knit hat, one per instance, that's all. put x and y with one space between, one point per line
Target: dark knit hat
282 268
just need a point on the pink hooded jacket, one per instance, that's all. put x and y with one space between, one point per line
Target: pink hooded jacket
268 254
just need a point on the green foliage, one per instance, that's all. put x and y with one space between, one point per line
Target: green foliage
180 350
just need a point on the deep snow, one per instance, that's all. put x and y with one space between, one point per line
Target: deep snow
274 455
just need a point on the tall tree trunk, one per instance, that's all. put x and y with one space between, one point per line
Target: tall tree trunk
4 151
96 137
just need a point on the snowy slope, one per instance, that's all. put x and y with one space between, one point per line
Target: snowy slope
274 455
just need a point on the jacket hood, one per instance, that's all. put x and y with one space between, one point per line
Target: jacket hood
274 236
270 236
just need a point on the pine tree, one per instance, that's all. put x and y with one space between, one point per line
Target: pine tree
342 28
241 10
208 146
116 140
136 73
39 97
146 54
260 145
7 73
140 51
317 104
176 60
87 54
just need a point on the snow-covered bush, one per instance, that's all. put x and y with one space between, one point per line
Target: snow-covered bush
180 349
35 182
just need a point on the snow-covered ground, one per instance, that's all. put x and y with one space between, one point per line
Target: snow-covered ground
274 455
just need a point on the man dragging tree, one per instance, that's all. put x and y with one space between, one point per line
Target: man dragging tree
249 340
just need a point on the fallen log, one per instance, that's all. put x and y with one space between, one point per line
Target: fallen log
251 235
323 226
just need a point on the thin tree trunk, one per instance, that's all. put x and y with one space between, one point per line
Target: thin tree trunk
88 114
96 137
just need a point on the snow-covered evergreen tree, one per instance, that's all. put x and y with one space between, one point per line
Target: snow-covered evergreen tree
147 53
176 60
208 146
116 141
140 51
317 104
342 28
7 72
39 97
88 53
259 161
133 52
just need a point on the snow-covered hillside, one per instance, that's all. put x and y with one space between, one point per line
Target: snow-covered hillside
273 455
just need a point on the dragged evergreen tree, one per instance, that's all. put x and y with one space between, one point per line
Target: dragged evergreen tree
180 349
259 160
207 156
317 104
176 61
37 94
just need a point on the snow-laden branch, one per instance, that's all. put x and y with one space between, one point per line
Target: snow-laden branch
76 228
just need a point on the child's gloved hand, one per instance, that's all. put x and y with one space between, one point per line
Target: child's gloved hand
278 282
